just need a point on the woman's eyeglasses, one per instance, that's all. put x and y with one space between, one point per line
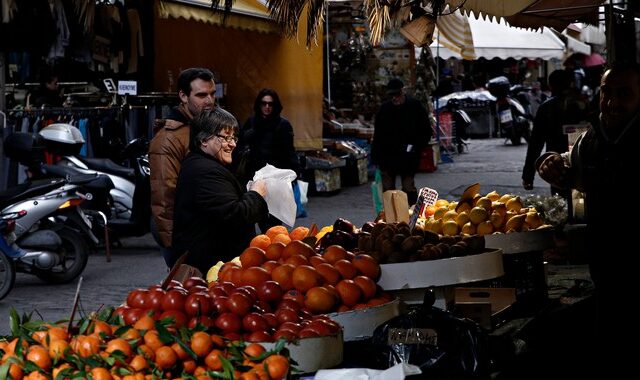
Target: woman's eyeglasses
264 104
229 139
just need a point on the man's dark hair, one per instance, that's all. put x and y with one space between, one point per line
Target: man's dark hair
189 75
560 80
46 74
277 105
208 124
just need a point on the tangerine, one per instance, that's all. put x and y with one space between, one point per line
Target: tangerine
224 272
139 363
57 348
299 233
305 277
283 275
260 241
179 350
367 266
277 366
297 247
214 360
252 257
319 300
297 260
253 350
146 322
40 357
349 291
316 260
201 343
275 231
100 373
274 251
119 344
165 357
282 238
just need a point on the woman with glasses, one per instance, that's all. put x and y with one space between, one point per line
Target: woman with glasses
214 216
267 138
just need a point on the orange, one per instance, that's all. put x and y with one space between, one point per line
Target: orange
57 348
260 241
146 322
213 360
367 266
334 253
252 257
350 292
297 260
40 357
224 274
165 357
254 350
152 339
316 260
182 354
139 363
305 277
16 372
283 275
201 343
100 373
277 367
281 238
274 251
121 345
319 300
270 266
276 230
299 233
147 352
297 247
329 274
346 269
254 276
367 286
430 210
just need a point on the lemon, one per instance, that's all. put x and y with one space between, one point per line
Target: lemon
494 196
484 202
449 215
450 228
499 207
468 229
514 204
515 223
497 220
453 205
478 215
475 199
485 228
533 219
442 202
464 206
440 211
436 226
462 218
505 198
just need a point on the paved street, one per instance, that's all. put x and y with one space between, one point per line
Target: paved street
490 162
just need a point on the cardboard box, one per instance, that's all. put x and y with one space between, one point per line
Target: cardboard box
313 354
486 306
360 324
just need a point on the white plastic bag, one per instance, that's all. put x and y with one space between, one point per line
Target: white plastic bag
397 372
279 196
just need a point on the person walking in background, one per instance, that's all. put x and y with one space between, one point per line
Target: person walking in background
562 108
48 93
214 216
267 138
602 164
170 145
402 130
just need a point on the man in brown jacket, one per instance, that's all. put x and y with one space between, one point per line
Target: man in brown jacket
170 145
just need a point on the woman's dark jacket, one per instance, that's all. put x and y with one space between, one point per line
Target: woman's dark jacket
214 216
270 141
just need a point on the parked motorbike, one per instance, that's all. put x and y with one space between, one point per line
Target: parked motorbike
512 118
126 207
49 230
7 252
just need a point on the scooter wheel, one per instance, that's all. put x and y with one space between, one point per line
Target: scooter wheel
74 255
7 275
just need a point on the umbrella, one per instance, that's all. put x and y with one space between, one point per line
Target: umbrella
594 59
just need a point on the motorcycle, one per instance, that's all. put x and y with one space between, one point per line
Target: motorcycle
7 252
125 208
512 118
49 230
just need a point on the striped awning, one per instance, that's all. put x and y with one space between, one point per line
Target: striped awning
455 34
245 14
498 40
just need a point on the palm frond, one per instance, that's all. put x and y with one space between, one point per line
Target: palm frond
287 14
226 10
377 12
315 18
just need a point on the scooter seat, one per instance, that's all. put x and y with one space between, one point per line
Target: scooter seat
108 166
28 190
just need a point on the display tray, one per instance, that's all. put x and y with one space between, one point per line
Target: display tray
443 272
518 242
313 354
360 324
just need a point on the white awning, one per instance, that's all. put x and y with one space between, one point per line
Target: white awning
498 40
576 46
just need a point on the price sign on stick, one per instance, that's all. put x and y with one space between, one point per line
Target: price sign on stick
426 197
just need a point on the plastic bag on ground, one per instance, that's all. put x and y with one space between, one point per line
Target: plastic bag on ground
397 372
279 198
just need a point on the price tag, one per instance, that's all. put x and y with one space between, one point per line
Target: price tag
426 197
127 87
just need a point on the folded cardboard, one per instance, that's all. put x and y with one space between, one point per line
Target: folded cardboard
360 324
396 206
486 306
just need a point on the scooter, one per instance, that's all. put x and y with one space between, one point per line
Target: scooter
511 115
127 207
49 239
7 251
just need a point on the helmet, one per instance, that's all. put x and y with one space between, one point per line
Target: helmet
62 139
499 86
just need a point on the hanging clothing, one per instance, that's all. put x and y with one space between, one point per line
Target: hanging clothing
135 35
59 47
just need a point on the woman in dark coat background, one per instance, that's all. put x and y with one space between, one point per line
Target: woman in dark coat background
214 216
269 138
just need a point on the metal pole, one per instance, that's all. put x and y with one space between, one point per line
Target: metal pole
328 56
3 104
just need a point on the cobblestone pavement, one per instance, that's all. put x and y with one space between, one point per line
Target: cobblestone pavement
495 165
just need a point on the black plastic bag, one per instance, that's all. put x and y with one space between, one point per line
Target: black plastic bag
442 345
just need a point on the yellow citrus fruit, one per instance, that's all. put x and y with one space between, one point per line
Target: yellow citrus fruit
436 226
464 206
442 202
533 219
494 196
497 220
449 215
505 198
499 207
514 204
440 211
468 229
485 228
478 215
484 202
450 228
462 218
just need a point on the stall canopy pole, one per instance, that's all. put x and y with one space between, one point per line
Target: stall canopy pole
328 55
3 104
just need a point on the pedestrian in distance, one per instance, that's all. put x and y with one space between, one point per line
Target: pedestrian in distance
170 145
563 108
602 164
266 138
214 215
402 130
48 93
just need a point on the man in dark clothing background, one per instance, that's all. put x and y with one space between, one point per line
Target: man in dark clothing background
562 108
402 130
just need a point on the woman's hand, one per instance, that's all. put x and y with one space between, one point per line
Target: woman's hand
260 187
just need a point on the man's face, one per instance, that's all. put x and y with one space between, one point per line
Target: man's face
397 98
201 98
619 98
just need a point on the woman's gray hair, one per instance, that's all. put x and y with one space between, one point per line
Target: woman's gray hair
209 123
